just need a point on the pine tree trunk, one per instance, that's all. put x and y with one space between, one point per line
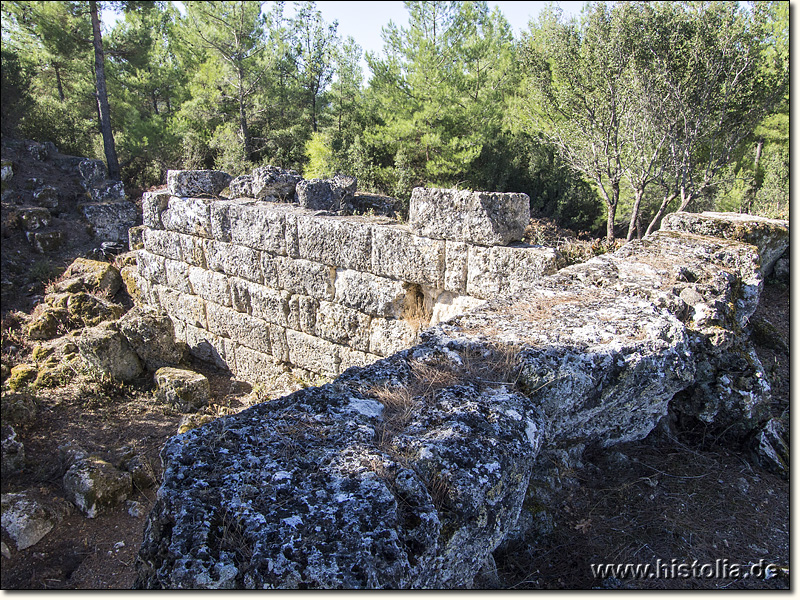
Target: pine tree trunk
102 95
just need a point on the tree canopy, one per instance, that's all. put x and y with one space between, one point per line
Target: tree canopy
607 121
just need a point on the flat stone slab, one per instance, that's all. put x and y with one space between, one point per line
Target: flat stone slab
484 218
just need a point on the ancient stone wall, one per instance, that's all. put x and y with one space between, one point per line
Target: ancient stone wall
260 287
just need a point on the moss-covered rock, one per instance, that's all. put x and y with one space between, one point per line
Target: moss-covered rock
21 376
18 409
91 276
47 324
87 310
95 485
185 390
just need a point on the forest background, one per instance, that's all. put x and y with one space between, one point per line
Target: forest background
607 121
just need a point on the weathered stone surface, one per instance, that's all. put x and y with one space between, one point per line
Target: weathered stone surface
235 260
256 225
312 353
185 390
507 269
188 215
387 336
47 323
106 349
205 345
32 219
188 184
27 517
95 485
88 310
153 205
256 366
316 194
90 276
110 190
151 334
370 294
344 326
449 305
178 275
177 246
323 495
136 238
770 236
247 330
264 183
302 313
399 254
485 218
21 375
17 409
185 307
46 197
298 276
12 451
110 221
335 241
772 447
92 172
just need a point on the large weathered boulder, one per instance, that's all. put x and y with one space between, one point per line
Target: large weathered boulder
400 477
185 390
95 485
151 334
327 194
485 218
110 220
264 183
189 184
106 349
88 310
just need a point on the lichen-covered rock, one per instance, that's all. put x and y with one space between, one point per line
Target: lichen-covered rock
32 219
21 375
344 486
110 220
264 183
45 241
770 236
95 485
26 519
46 323
88 310
485 218
91 276
316 194
186 390
12 451
189 184
106 349
46 197
151 334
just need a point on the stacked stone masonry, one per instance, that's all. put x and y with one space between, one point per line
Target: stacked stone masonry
258 287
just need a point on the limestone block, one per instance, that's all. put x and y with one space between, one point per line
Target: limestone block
153 205
205 345
134 285
344 326
178 275
507 269
355 358
312 353
303 313
28 517
398 253
298 276
770 236
316 194
256 367
455 266
210 286
387 336
110 221
279 343
370 294
257 225
291 233
186 390
90 276
151 334
265 182
136 238
152 267
234 260
485 218
241 327
449 305
187 184
264 303
188 308
191 216
335 241
177 246
95 485
106 349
